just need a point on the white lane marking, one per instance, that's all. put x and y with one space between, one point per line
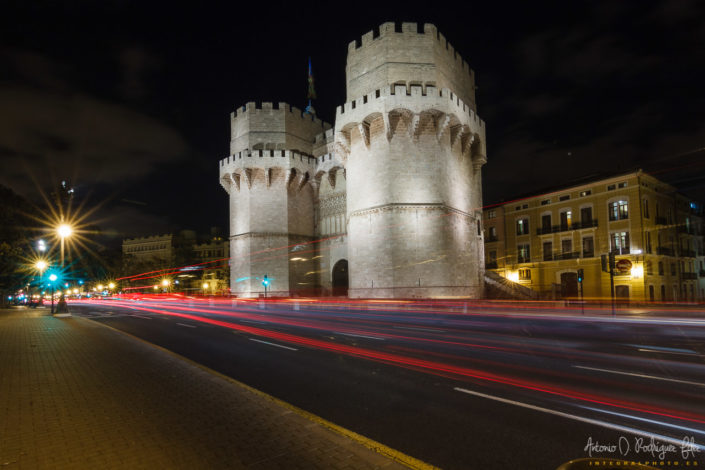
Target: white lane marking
430 330
643 347
644 376
682 428
596 422
186 325
140 316
357 336
273 344
660 351
255 322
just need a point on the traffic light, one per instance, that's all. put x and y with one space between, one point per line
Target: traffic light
265 281
580 275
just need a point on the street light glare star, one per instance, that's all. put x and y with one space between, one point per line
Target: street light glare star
64 230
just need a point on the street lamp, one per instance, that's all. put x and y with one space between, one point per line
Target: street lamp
64 231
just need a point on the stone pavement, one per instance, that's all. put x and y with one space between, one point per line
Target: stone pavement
77 394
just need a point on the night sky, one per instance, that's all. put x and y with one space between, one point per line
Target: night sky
131 100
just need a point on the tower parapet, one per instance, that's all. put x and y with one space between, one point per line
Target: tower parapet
266 126
393 55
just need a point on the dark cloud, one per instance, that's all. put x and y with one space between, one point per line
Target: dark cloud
76 134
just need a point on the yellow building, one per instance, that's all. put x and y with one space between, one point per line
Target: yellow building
544 241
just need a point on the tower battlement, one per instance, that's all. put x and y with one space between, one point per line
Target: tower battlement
265 125
415 98
394 54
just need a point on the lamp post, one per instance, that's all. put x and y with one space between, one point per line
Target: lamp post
52 279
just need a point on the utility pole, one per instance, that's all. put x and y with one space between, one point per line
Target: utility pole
608 265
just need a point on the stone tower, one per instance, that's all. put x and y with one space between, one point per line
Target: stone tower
413 148
269 179
387 203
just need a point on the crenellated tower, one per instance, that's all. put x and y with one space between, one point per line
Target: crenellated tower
413 148
269 177
387 202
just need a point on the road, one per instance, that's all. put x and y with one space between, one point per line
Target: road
515 386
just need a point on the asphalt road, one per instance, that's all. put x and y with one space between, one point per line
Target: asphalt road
486 386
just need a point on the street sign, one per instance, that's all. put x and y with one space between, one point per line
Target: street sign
623 265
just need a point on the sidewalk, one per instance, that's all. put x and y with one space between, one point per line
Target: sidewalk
76 394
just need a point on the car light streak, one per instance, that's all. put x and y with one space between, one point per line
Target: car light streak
644 376
604 424
358 336
186 325
437 367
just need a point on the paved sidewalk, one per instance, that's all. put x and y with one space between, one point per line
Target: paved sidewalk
76 394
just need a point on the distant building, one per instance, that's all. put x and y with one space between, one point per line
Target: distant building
190 265
656 234
156 248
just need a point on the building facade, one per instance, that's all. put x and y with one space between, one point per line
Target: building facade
386 202
656 235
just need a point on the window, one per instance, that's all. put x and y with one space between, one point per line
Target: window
545 202
491 214
673 269
566 219
564 198
649 267
479 227
492 234
566 246
618 210
623 184
611 187
525 206
517 208
586 216
548 251
546 223
660 268
646 208
648 241
525 274
523 227
585 193
619 242
523 253
588 247
493 256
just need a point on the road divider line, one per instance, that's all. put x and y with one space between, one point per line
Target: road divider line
188 326
643 376
358 336
595 422
661 423
254 322
273 344
140 316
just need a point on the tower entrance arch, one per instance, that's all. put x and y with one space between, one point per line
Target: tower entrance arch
340 278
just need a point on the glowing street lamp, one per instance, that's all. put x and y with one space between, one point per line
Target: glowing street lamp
41 265
111 286
64 231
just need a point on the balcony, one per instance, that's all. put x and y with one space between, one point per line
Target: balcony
568 255
689 276
688 253
564 228
660 220
491 238
491 265
702 273
662 250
